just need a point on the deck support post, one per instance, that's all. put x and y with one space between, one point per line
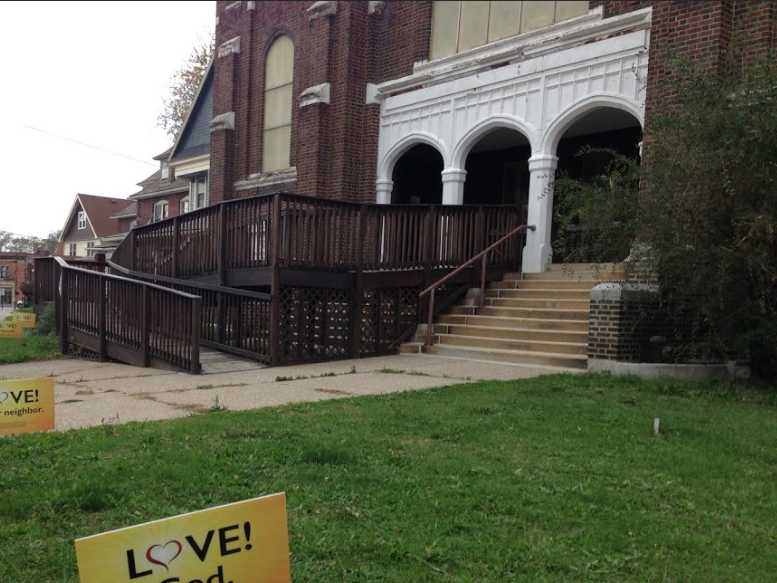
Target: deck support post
357 297
101 318
196 315
63 310
275 288
176 238
145 308
222 245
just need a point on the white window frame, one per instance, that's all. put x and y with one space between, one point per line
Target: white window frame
72 250
161 211
184 206
194 181
3 272
81 220
90 248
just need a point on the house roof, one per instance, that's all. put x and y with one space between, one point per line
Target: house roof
194 137
156 185
128 212
99 212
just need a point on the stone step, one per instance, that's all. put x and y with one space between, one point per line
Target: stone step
507 322
565 304
569 275
557 284
569 361
542 293
516 345
524 334
534 313
567 267
411 348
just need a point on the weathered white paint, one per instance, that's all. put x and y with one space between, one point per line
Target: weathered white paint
537 84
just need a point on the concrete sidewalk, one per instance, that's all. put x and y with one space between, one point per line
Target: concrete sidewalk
93 393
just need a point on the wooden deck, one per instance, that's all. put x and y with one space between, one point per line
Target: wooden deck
287 278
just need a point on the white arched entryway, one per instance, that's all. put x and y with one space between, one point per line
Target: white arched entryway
533 86
385 183
538 253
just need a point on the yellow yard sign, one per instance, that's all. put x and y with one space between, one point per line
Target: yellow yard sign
12 330
244 542
24 319
26 405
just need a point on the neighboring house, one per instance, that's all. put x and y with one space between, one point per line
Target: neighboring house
162 195
190 155
95 224
15 270
180 184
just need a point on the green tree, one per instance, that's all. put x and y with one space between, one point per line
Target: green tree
709 210
183 89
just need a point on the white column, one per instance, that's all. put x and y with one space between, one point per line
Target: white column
453 185
383 189
538 254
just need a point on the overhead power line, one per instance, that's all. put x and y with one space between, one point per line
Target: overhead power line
90 146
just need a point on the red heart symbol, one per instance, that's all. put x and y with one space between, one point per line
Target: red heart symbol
164 554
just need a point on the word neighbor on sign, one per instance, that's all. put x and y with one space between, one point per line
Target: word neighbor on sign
244 542
26 405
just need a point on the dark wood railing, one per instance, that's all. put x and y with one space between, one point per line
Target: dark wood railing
317 233
232 320
115 317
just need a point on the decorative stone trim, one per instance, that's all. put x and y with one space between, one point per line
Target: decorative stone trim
251 5
322 8
267 179
691 372
230 47
232 5
373 96
315 94
375 6
224 121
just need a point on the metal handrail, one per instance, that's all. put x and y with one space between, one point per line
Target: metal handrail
483 255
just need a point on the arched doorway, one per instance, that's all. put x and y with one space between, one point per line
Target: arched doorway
417 176
588 152
497 169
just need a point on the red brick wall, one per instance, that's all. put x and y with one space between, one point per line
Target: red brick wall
17 272
146 206
334 147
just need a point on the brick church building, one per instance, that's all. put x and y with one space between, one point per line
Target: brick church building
453 102
345 164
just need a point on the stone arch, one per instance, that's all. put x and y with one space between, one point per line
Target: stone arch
564 120
475 133
389 159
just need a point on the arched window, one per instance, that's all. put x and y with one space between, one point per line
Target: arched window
278 82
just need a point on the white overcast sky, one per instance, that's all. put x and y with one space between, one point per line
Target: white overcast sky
88 72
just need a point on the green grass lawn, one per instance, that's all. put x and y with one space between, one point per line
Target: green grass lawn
28 348
551 479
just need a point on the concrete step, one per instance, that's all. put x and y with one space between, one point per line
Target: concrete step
567 267
516 345
411 348
565 304
520 323
572 361
557 284
534 313
523 334
542 293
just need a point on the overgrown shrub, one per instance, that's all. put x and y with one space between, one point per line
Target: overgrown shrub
596 219
708 210
47 321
